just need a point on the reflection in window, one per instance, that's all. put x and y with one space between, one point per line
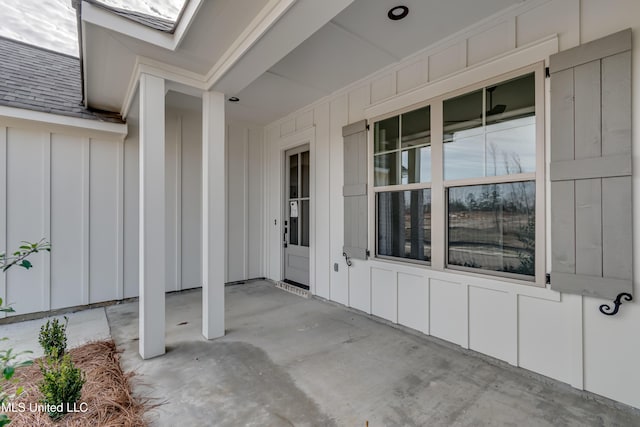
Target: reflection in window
404 224
416 165
386 169
386 134
304 216
293 176
494 140
402 148
305 174
492 227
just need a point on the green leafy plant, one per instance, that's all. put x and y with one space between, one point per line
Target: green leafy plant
8 364
8 358
20 256
61 385
53 338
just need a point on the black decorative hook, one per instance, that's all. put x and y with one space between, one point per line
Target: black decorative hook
347 259
606 308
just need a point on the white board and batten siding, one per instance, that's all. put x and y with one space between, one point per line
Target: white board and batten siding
558 335
49 174
79 189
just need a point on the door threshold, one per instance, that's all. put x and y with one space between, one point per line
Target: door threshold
292 289
299 285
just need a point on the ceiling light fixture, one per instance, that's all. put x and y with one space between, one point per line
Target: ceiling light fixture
397 13
234 99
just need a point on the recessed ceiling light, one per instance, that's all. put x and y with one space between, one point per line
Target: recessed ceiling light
397 13
234 99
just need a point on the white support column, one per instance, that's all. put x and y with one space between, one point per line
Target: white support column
152 217
214 221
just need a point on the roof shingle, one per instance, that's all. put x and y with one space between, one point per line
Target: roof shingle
38 79
153 22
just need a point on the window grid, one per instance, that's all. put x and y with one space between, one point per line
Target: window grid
443 186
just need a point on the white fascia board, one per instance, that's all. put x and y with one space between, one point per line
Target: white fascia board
263 21
119 129
267 17
185 20
103 18
85 77
168 72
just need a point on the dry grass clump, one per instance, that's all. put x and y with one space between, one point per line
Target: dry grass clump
107 392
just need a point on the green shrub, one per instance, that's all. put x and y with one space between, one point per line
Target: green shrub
8 366
8 358
61 385
53 338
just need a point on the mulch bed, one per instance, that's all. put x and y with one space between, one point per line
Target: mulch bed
107 392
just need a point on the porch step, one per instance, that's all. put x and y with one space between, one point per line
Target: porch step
292 289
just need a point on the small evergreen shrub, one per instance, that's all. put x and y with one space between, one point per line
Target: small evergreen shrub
53 338
61 385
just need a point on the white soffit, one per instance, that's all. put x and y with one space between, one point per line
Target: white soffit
428 21
273 97
359 41
110 65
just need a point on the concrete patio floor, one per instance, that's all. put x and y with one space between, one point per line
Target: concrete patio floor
286 360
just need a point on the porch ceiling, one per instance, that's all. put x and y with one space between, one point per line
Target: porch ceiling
309 53
355 43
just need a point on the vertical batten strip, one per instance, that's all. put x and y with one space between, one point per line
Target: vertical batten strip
86 181
245 211
119 255
46 221
178 238
3 212
514 326
466 339
576 304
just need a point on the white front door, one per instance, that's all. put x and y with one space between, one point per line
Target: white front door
296 219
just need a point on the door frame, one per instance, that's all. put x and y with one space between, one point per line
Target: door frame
297 139
305 147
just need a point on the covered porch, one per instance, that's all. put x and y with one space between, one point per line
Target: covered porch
287 360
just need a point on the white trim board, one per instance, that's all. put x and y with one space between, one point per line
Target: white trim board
114 129
518 58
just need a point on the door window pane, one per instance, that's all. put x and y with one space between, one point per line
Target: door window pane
492 227
386 169
293 176
416 165
386 133
293 231
305 174
404 224
304 223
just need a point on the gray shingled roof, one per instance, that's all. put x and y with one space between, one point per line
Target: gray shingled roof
154 22
38 79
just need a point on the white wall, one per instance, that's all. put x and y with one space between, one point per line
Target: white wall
561 336
183 142
48 173
79 189
244 202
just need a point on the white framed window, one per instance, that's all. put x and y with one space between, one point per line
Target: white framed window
479 206
402 181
